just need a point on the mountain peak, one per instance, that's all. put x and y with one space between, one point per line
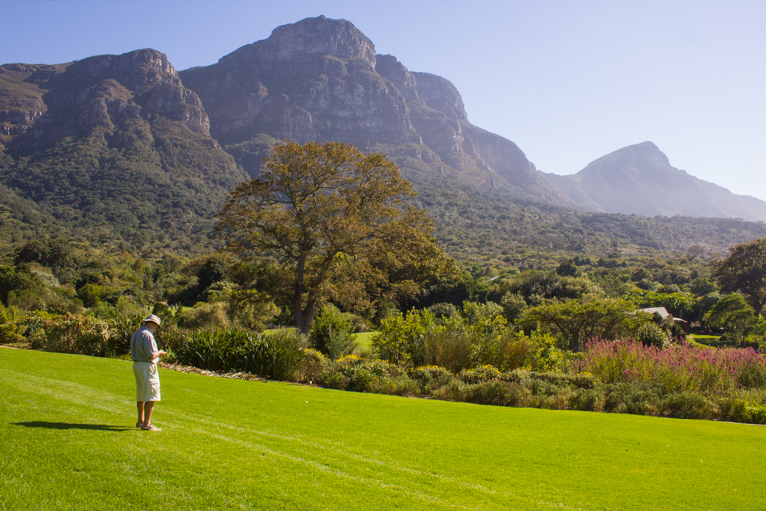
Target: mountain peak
308 38
639 179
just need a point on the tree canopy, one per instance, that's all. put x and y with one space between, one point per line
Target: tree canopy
580 320
744 271
337 220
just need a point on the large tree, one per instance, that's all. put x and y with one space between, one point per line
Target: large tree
337 222
744 271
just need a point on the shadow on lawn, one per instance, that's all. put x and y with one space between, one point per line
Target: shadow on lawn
66 425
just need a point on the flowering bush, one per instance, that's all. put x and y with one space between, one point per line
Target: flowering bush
678 368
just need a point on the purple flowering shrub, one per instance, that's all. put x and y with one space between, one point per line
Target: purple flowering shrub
678 368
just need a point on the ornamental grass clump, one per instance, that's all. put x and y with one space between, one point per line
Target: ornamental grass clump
274 356
675 369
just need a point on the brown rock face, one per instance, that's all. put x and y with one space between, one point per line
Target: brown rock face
437 112
69 99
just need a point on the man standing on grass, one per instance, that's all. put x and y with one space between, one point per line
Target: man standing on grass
144 352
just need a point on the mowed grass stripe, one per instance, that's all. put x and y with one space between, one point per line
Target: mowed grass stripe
245 445
82 396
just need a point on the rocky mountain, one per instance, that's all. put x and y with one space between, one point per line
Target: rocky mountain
639 180
123 149
320 79
113 144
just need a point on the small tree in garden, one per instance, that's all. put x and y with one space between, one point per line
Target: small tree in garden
579 320
331 333
334 218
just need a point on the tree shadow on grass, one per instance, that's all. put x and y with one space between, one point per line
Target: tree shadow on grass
66 425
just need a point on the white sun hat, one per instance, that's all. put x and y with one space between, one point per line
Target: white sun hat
153 319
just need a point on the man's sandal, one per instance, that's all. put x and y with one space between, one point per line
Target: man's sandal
150 427
139 424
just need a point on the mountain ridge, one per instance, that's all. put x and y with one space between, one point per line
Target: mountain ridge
639 179
125 149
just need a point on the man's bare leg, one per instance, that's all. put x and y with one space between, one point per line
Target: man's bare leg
140 406
148 409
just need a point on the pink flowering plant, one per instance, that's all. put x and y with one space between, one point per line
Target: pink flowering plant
678 368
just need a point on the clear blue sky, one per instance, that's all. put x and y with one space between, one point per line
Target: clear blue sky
568 81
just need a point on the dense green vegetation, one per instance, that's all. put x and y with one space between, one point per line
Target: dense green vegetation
330 234
488 226
153 183
70 444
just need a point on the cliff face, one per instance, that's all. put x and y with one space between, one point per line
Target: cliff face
113 142
314 80
105 91
320 79
639 180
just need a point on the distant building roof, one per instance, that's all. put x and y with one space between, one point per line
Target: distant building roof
662 311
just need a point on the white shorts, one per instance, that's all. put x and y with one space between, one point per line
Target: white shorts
147 381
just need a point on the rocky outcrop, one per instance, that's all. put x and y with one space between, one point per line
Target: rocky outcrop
439 94
104 91
437 113
314 80
639 180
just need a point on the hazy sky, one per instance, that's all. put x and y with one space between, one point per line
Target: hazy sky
567 81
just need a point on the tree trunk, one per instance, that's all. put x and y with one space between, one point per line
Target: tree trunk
304 317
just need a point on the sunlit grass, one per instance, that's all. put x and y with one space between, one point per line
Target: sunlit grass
365 338
68 442
713 341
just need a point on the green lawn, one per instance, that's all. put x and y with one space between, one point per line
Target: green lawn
708 340
365 338
67 442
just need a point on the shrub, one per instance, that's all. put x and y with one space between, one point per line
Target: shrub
588 400
686 405
399 334
357 374
430 378
84 335
487 393
10 326
331 333
204 315
513 306
312 366
448 346
579 381
480 374
649 334
542 354
443 310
